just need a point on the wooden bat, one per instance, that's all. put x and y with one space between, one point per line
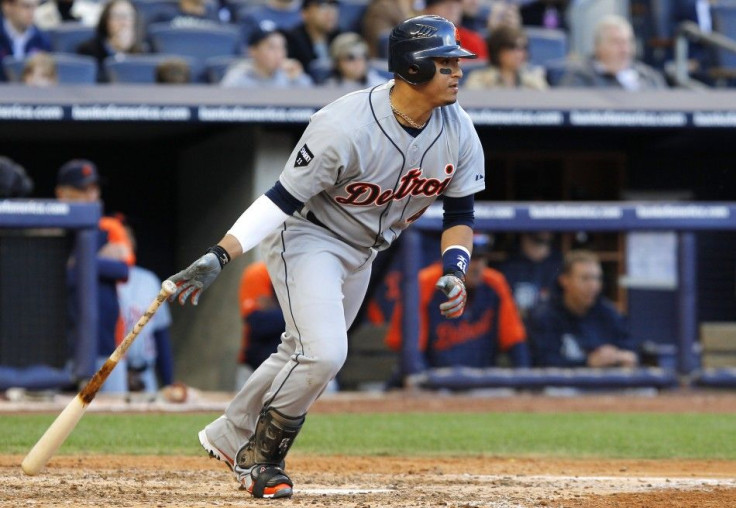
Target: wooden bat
72 413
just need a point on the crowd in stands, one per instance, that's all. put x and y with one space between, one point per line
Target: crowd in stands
302 43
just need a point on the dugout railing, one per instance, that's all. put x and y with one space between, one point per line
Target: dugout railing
28 290
685 219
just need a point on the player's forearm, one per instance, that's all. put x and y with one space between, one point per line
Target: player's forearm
457 235
258 220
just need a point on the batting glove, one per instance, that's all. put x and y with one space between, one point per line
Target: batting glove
197 277
454 288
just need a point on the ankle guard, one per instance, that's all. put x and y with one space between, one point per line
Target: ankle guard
274 435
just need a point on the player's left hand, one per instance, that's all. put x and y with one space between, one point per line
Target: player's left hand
454 288
194 279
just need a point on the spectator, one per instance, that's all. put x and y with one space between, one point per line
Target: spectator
52 13
78 181
116 35
283 14
379 18
309 41
349 54
19 37
173 71
263 321
267 65
613 64
580 328
149 357
507 50
544 13
40 70
453 10
490 324
532 270
473 17
504 12
193 13
14 181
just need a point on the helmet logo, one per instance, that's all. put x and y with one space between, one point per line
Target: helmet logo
457 36
423 30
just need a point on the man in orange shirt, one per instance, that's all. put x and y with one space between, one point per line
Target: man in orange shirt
489 325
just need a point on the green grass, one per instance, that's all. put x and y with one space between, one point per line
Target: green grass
602 435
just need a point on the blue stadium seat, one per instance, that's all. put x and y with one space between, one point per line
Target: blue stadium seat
380 65
141 68
724 22
555 70
383 44
545 44
216 67
156 11
197 42
72 69
351 15
66 37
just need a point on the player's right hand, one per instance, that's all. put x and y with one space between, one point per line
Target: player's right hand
194 279
454 288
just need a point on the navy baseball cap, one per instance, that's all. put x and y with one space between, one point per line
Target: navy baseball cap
78 173
261 31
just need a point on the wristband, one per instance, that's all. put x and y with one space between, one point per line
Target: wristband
222 256
455 260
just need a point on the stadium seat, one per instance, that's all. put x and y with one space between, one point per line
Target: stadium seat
72 69
383 44
141 68
351 15
555 70
216 67
545 44
724 22
197 42
66 37
156 11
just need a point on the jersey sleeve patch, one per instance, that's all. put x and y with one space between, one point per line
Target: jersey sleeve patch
304 157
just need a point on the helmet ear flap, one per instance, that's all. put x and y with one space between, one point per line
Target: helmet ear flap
420 71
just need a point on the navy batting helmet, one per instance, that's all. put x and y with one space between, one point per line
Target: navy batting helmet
414 42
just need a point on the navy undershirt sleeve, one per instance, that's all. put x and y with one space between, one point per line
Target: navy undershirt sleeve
283 199
458 211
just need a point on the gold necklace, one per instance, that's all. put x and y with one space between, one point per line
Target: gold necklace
404 116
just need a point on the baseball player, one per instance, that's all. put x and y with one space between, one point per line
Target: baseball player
366 167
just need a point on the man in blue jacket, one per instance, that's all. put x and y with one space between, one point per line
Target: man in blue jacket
580 328
19 37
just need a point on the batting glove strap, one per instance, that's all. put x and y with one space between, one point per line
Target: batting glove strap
222 256
454 288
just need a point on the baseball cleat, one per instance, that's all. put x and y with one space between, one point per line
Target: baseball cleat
215 452
265 481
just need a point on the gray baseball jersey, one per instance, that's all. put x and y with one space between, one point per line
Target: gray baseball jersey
366 179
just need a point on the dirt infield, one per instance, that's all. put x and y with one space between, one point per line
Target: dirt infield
371 482
126 481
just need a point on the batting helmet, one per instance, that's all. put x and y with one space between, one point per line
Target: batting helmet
414 42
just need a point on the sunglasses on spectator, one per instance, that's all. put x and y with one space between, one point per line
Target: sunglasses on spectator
350 57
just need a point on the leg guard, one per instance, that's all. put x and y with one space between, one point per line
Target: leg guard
260 462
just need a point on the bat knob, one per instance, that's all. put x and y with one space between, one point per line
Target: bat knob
169 287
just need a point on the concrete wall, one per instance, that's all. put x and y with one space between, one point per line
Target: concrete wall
217 179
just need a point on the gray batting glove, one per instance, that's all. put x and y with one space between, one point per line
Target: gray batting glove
454 289
197 277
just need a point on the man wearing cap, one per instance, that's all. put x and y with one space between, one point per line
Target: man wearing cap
309 42
78 181
489 326
267 65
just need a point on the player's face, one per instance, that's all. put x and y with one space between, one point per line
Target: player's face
442 89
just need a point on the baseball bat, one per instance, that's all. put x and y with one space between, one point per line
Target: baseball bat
72 413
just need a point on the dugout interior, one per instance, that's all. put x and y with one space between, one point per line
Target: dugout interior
181 183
